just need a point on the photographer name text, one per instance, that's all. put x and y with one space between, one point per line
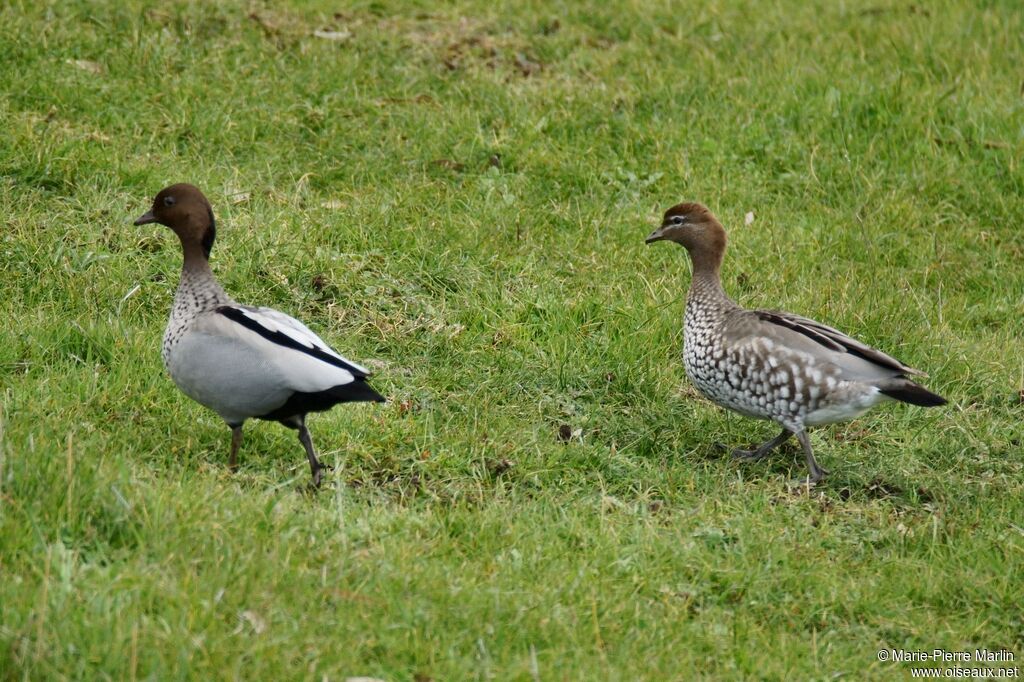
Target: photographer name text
946 656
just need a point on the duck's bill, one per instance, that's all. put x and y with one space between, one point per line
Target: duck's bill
146 218
655 236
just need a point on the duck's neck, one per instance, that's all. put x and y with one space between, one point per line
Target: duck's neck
198 290
706 287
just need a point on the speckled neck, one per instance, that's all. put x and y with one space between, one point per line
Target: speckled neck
199 289
706 289
198 292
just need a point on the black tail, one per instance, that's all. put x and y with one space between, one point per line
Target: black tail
357 391
907 391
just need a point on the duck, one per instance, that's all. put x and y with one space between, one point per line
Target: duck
774 365
244 362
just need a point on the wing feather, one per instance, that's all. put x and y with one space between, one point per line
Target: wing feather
287 332
834 340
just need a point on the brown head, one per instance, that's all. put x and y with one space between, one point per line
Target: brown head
696 228
184 209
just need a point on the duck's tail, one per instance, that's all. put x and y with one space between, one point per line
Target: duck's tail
907 391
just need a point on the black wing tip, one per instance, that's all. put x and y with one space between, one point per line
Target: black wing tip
371 395
357 391
300 403
914 394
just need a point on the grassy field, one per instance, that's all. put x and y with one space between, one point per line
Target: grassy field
457 195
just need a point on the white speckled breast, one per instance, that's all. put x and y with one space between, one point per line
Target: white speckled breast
717 372
197 293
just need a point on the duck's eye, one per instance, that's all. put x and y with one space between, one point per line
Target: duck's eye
678 220
168 201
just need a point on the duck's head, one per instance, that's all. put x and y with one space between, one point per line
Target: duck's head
693 226
184 209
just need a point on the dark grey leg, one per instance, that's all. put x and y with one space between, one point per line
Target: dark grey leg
816 473
236 442
315 465
764 448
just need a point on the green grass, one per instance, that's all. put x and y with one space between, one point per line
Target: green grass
879 145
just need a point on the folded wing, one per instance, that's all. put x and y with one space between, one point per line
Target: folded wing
307 362
855 359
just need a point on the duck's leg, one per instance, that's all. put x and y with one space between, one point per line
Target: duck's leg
764 448
315 466
815 472
236 442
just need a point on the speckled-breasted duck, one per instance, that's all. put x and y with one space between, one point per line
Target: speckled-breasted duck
774 365
241 361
